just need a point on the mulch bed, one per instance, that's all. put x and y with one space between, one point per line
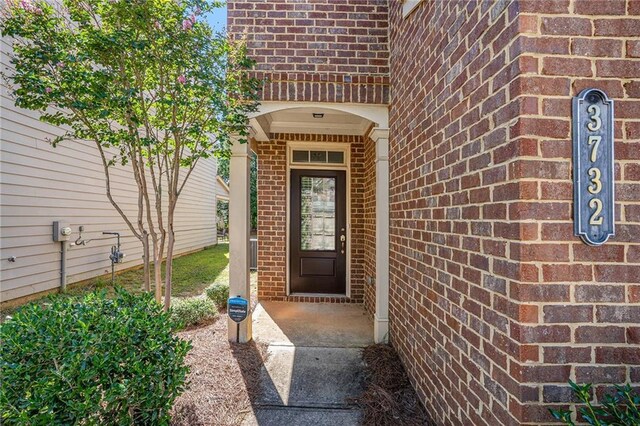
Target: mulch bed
224 378
389 398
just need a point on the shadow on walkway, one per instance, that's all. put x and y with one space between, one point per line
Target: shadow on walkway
304 366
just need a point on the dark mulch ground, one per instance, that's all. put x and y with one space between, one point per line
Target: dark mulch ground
224 378
388 398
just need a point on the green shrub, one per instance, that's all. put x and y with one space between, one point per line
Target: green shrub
193 311
620 409
91 360
219 293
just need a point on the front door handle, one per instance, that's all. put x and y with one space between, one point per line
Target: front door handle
343 240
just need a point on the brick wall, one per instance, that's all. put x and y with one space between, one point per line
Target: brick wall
272 222
588 323
494 303
316 50
272 169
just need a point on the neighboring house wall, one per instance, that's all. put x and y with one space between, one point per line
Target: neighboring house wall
272 217
495 305
321 50
40 184
222 189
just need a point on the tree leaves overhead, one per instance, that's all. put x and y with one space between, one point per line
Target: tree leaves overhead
155 66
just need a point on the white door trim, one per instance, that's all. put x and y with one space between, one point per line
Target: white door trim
322 146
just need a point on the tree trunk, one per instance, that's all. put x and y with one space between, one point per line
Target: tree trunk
172 188
157 270
146 262
169 264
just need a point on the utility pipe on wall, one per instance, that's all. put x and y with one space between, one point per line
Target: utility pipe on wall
62 234
63 266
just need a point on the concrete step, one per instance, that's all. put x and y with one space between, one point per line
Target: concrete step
290 416
311 377
312 324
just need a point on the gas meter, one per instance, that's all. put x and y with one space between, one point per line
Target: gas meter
116 255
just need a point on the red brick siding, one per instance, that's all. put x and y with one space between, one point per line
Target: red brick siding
494 303
586 325
357 207
317 50
272 222
369 233
448 265
272 168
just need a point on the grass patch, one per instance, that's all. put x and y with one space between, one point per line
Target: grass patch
198 270
192 273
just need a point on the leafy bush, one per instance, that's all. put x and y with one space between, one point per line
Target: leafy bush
219 293
620 409
193 311
91 360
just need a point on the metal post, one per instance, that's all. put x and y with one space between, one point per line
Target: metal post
113 268
115 252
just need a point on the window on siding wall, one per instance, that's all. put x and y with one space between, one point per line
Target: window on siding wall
409 6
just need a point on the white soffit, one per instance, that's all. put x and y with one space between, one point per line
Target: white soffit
331 123
297 117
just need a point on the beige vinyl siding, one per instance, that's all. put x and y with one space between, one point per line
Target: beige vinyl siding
40 184
222 190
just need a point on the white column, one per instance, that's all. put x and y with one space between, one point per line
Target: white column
239 224
381 319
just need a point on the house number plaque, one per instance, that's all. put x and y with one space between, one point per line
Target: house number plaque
593 178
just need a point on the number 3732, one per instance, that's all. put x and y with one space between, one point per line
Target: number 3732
595 183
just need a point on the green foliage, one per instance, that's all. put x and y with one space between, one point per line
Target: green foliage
621 409
91 360
147 73
222 212
223 168
193 311
218 293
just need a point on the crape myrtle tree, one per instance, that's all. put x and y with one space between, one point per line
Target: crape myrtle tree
147 82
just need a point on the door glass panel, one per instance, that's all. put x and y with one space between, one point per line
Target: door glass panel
317 213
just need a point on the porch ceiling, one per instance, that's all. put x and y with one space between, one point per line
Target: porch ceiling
314 119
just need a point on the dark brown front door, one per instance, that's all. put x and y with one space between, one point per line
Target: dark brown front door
318 231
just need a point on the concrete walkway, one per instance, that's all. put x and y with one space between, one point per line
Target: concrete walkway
314 367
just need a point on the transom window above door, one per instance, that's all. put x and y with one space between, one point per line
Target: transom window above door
318 155
306 156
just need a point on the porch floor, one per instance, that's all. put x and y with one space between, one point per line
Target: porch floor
314 368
